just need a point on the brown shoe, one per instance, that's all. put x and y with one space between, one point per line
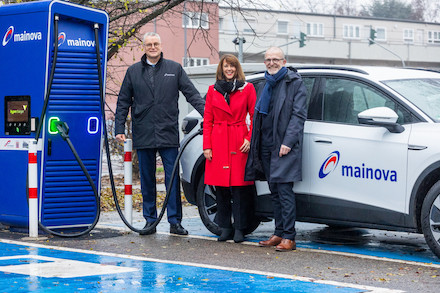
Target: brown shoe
272 241
286 245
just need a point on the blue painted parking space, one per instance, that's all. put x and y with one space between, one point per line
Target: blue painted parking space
35 268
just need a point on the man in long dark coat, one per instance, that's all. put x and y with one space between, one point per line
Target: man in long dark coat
151 89
276 146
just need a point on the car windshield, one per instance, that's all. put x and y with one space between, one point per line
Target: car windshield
424 93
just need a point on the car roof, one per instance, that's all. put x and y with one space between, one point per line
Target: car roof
377 73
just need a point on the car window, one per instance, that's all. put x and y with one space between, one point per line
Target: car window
309 83
344 99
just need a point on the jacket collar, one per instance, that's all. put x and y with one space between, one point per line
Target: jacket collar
144 60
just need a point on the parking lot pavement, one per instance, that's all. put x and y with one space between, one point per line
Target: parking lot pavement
351 261
366 243
28 267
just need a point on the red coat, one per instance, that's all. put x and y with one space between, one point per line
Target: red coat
224 131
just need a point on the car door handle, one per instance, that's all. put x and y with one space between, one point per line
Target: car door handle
322 140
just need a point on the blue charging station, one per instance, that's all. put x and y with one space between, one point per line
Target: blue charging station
65 196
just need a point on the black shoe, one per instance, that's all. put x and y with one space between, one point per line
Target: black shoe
178 229
238 236
226 234
147 225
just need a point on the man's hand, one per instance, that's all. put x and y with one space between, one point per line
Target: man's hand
120 137
245 146
208 154
284 150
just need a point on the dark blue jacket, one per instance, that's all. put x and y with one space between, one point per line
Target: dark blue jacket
290 113
154 108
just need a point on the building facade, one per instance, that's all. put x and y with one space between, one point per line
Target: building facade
331 39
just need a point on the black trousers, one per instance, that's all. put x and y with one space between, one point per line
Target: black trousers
283 199
241 207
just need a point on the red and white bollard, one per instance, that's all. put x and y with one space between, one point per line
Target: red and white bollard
33 189
128 181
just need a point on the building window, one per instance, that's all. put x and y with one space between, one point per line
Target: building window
249 26
193 62
195 20
408 35
434 37
381 34
352 31
221 23
282 27
315 29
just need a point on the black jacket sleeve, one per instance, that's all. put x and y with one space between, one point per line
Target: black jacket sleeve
190 92
125 100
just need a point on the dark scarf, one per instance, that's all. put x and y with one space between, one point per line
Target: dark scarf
266 95
227 87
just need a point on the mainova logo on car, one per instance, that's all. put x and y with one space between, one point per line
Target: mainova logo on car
329 164
362 172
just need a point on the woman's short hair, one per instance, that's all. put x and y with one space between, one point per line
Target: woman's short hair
231 59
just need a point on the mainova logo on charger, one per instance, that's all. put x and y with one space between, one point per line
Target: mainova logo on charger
360 172
78 42
22 36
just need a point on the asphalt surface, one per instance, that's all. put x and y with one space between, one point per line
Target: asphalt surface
399 261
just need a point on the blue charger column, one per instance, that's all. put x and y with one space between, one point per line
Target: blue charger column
26 51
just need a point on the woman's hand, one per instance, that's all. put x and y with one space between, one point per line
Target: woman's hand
208 154
245 147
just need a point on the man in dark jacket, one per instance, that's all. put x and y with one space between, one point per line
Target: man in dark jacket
151 88
276 145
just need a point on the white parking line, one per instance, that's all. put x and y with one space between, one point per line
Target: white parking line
270 274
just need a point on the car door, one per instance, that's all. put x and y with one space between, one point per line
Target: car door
357 172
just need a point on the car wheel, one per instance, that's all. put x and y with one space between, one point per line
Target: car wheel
207 205
430 218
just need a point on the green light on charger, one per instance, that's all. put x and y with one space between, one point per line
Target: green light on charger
53 125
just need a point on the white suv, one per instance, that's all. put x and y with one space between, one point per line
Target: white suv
371 152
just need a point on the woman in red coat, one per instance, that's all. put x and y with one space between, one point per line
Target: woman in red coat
226 143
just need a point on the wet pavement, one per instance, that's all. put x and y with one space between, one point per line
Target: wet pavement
111 258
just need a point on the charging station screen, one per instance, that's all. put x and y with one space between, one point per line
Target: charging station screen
18 111
17 115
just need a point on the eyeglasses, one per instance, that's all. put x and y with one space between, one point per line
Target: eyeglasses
274 60
151 45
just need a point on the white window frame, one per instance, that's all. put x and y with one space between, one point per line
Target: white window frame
315 29
195 61
221 24
249 26
351 31
286 22
408 35
195 20
378 38
433 37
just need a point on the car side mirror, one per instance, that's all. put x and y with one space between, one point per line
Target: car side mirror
383 117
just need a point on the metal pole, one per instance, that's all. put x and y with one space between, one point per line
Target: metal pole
128 181
240 49
185 57
401 59
33 189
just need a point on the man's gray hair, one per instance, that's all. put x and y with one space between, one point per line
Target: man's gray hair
151 34
276 49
